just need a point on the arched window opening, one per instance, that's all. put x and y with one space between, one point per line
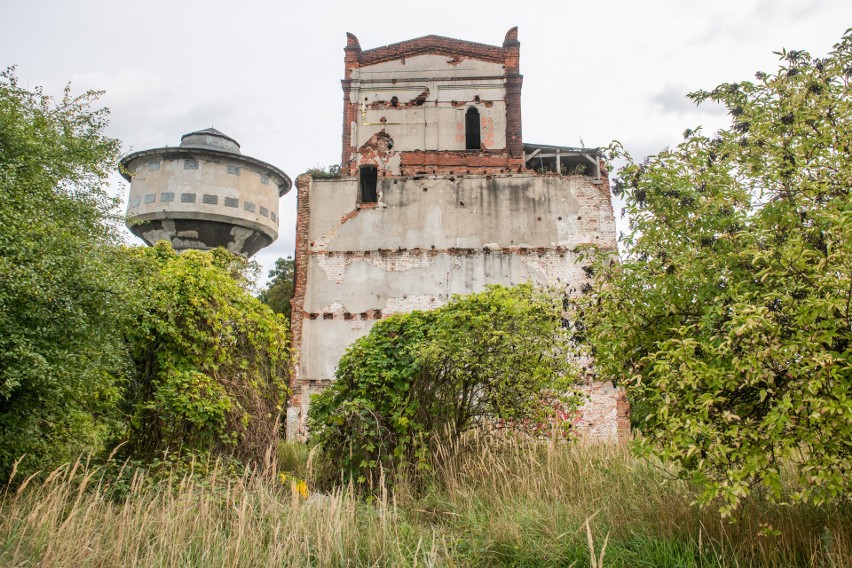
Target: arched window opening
369 180
471 130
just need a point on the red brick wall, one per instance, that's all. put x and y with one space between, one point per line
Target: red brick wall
449 162
514 81
303 213
432 44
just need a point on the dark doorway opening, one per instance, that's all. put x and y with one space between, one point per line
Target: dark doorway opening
369 180
471 130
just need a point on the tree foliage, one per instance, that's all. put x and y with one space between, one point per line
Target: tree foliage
211 361
729 315
62 292
279 291
423 375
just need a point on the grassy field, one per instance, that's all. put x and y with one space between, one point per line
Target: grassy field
490 504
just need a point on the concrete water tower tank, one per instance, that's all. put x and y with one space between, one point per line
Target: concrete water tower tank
204 194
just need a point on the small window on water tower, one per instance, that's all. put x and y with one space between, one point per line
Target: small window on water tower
369 180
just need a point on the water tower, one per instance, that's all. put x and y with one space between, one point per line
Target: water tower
204 194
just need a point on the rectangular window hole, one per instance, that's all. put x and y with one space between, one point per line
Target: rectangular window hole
167 197
249 206
233 170
150 197
273 217
210 199
264 211
369 176
153 165
134 202
190 164
232 202
187 198
264 180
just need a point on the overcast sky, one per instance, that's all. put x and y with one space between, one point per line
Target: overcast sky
268 73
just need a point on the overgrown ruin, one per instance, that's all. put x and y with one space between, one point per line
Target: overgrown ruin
438 195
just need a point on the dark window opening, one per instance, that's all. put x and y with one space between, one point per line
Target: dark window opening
394 102
369 181
471 130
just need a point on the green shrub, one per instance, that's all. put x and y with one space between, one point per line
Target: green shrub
729 314
483 358
211 361
64 295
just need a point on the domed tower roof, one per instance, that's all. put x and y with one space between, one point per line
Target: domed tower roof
210 138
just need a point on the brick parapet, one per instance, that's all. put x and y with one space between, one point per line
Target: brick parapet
458 162
432 44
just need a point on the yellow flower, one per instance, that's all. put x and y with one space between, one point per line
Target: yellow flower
283 477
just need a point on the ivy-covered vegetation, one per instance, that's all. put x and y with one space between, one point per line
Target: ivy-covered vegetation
101 344
499 355
728 316
210 360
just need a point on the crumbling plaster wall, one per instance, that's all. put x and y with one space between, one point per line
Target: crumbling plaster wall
432 92
425 240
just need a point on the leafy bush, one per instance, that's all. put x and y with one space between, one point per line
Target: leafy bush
211 361
63 291
481 358
328 172
729 316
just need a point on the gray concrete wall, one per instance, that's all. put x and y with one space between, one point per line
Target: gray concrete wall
430 238
519 210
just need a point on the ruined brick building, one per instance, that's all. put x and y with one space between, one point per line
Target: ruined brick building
439 195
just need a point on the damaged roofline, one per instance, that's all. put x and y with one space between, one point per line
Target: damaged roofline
540 151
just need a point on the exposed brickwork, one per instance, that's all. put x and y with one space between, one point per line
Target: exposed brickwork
605 416
352 54
446 162
514 81
350 115
450 47
303 220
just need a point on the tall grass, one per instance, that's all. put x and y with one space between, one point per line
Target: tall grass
488 503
